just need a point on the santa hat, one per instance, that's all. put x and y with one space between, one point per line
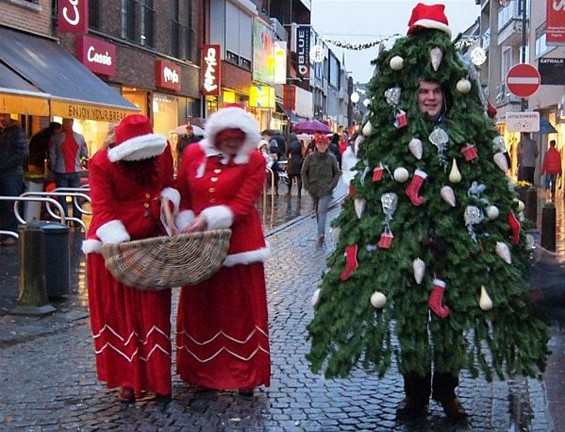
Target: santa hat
135 140
430 17
230 121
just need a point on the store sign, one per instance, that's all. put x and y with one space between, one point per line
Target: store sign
167 75
72 16
211 76
262 97
88 112
97 55
303 51
552 71
522 121
263 53
280 62
289 97
555 22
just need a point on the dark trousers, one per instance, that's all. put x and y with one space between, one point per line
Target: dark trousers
69 180
527 174
298 178
441 387
10 185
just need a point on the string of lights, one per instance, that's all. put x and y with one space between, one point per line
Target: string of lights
463 44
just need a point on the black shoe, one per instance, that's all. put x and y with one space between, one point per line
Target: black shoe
454 410
409 408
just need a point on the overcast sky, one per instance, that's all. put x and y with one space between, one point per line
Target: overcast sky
363 21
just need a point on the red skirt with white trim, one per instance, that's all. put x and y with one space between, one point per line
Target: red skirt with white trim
131 330
222 330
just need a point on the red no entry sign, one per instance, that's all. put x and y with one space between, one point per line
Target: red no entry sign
523 80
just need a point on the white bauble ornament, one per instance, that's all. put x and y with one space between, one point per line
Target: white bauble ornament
503 252
463 86
492 212
520 206
315 298
396 63
359 204
530 242
401 174
500 161
367 129
436 55
415 147
378 300
419 267
448 195
485 303
454 174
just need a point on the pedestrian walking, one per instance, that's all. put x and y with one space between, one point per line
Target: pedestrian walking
131 328
527 156
222 326
67 150
320 175
294 165
185 140
13 153
551 168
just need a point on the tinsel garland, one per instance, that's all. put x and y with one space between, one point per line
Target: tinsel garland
358 47
462 45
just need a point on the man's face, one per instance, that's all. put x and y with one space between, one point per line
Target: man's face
430 99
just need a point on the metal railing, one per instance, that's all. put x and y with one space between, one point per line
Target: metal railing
77 194
19 199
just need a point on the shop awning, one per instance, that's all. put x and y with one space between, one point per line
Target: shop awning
19 96
72 90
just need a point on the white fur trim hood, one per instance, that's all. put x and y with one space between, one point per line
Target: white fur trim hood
227 118
138 148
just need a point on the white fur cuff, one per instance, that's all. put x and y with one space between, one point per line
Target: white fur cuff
173 196
113 232
91 246
218 217
184 219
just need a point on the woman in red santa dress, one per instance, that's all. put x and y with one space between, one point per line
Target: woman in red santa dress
222 330
131 328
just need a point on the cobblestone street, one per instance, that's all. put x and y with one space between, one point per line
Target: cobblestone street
48 380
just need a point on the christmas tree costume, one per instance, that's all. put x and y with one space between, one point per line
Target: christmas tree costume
431 270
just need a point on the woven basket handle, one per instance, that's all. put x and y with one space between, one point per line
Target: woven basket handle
169 217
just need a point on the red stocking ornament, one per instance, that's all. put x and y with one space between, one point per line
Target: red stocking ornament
351 263
414 187
435 302
515 227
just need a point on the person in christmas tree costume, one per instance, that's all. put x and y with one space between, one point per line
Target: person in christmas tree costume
431 264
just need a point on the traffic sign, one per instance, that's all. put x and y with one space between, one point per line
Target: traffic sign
523 80
522 121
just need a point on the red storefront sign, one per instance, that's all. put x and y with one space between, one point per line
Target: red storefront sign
97 55
72 16
167 75
211 71
289 97
555 22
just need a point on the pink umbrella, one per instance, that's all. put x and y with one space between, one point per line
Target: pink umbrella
311 127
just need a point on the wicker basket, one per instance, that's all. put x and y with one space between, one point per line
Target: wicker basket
166 262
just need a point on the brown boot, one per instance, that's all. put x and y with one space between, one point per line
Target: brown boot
454 410
410 408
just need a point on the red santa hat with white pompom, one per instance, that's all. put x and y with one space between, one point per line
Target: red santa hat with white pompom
430 17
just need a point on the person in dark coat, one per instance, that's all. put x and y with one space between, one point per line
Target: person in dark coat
39 147
334 148
294 165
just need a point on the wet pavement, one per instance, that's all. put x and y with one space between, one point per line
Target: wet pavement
48 379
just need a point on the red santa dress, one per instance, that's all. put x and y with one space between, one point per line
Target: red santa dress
222 327
130 327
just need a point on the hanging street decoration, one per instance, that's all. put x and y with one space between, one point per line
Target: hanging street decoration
359 46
